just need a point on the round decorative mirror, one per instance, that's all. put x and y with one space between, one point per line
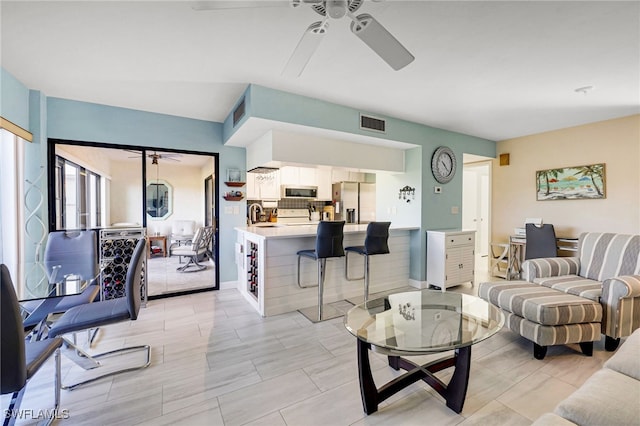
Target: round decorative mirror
159 195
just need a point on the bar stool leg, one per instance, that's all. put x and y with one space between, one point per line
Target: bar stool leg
366 278
321 272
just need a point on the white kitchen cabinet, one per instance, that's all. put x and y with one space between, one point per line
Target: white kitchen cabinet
289 175
341 175
450 258
303 176
263 186
324 184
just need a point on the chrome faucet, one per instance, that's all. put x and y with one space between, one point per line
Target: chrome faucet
253 212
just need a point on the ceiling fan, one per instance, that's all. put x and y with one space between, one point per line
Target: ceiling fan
155 156
364 26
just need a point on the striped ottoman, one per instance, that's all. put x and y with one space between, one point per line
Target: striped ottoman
545 316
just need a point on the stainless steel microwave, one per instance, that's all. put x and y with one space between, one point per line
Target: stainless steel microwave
299 192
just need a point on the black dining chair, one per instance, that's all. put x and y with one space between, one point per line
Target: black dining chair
541 241
329 243
376 241
67 253
21 360
103 313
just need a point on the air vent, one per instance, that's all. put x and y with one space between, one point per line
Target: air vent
238 113
372 123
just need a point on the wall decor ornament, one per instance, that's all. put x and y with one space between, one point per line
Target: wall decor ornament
571 183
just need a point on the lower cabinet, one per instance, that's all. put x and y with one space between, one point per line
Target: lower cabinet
450 258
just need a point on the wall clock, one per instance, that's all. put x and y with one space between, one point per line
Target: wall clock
443 164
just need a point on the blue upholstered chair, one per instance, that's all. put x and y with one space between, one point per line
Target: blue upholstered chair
20 360
541 241
67 253
329 243
375 242
103 313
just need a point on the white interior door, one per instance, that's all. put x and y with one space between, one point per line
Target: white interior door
476 200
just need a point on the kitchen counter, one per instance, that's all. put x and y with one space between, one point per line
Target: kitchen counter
274 230
267 266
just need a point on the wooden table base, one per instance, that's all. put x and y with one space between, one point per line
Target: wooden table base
454 392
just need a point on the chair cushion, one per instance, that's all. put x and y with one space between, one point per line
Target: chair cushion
549 335
606 398
357 249
36 353
573 284
540 304
308 253
91 315
626 359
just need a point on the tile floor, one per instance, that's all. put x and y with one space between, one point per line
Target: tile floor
216 362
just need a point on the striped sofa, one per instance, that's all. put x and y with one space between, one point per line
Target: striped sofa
565 300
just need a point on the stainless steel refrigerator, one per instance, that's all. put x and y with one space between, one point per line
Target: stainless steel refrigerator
355 202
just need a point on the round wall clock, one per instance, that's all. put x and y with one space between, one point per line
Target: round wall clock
443 164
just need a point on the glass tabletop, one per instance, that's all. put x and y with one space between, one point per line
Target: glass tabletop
423 321
39 284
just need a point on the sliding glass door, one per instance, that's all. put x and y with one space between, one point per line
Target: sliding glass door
99 186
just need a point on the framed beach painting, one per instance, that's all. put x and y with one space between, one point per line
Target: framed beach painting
571 183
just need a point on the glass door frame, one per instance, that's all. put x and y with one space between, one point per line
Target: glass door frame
51 196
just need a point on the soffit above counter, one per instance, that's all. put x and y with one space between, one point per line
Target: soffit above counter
254 128
277 148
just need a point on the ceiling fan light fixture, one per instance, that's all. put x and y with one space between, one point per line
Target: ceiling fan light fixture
305 49
336 9
381 41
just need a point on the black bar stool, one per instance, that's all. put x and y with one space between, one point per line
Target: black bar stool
329 243
375 242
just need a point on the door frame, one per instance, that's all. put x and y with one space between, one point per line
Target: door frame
51 158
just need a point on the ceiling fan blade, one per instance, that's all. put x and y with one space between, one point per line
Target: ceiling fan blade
305 49
381 41
220 5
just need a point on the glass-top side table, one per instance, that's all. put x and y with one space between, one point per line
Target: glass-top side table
420 323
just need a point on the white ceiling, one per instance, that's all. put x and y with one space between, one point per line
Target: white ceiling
491 69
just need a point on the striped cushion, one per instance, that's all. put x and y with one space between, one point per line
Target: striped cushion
549 267
545 335
540 304
573 284
606 255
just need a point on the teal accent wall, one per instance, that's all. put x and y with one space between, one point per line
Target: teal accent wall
435 209
14 100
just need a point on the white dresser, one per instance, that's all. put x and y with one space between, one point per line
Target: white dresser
450 258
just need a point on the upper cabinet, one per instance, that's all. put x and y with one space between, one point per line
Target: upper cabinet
308 176
263 186
342 175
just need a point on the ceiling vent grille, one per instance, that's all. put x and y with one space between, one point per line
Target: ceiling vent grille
238 113
372 123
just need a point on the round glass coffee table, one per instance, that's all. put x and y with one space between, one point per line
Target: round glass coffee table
420 323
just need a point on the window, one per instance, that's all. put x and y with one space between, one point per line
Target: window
78 198
11 210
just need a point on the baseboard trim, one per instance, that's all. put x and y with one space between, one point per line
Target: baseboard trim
228 285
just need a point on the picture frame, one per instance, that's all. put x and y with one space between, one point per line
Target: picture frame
234 175
571 183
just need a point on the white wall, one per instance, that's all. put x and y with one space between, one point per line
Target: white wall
126 193
188 194
613 142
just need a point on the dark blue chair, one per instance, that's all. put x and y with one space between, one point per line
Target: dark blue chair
67 253
541 241
20 360
375 242
99 314
329 243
